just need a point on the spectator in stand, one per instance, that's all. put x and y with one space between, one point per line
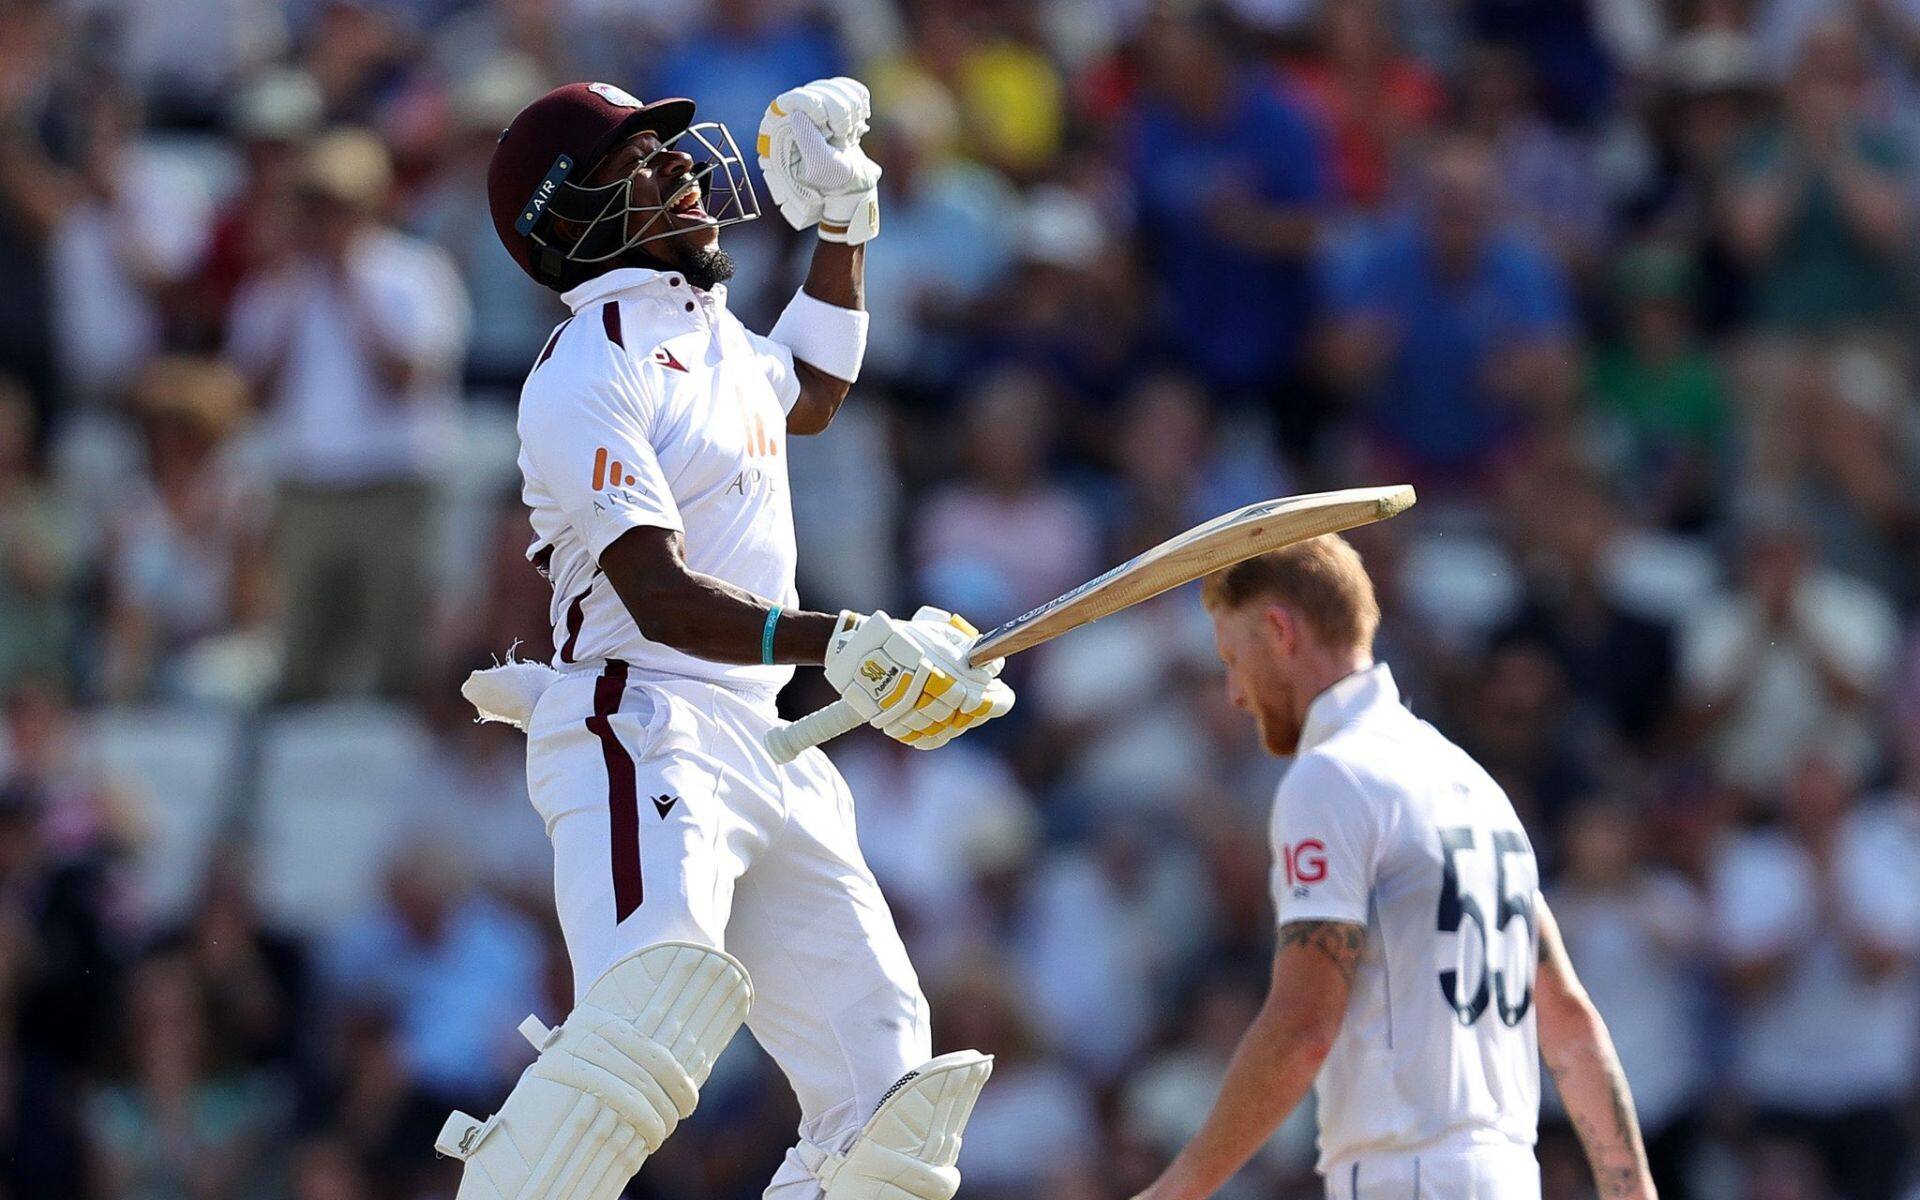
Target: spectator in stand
456 969
933 827
132 227
252 977
1453 330
512 315
1660 389
32 132
353 346
272 118
357 53
1640 930
1549 178
1818 925
182 1121
1375 102
1230 178
470 794
185 559
1073 306
1711 97
734 56
1004 531
1822 213
1621 660
951 228
742 54
1103 922
181 57
1796 659
39 563
1036 1130
1010 97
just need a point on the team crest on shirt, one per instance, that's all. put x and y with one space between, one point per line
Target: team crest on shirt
614 95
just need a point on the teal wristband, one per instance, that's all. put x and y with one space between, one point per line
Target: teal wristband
766 636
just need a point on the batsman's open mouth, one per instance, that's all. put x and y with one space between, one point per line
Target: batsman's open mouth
686 203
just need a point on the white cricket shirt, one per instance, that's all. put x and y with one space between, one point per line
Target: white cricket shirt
652 405
1383 822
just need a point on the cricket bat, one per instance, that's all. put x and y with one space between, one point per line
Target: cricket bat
1200 551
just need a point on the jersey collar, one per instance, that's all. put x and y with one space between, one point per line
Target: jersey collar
623 281
1344 703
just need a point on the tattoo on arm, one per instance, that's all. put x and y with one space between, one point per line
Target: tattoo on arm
1340 941
1603 1117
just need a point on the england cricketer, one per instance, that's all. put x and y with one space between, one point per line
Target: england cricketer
1419 980
699 884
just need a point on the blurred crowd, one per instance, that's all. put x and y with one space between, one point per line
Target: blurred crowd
1626 289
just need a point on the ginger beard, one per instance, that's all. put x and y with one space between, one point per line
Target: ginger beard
1257 644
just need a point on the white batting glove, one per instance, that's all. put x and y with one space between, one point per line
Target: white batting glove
976 696
810 156
910 679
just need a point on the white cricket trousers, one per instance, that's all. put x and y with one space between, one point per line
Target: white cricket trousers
669 821
1488 1172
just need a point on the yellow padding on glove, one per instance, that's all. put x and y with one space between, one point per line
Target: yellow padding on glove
899 690
962 624
939 683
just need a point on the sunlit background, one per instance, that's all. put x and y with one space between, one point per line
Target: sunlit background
1625 287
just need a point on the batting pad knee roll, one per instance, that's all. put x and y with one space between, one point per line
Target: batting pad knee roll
908 1147
823 335
612 1081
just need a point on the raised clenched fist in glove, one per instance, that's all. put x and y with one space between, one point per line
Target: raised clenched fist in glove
810 155
910 679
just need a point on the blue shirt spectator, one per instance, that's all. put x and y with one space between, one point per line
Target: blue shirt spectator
1228 172
745 56
456 969
1450 327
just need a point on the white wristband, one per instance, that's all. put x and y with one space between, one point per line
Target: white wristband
822 335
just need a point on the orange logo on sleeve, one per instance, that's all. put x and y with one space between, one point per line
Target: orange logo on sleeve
609 472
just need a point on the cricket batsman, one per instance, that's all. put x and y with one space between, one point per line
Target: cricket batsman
1419 979
699 885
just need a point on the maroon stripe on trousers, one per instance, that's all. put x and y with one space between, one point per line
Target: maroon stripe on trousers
623 793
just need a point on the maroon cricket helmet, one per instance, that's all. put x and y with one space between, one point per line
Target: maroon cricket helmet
544 156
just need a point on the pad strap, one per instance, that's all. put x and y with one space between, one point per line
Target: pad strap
822 335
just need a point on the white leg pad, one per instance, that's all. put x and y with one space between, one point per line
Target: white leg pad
907 1149
611 1082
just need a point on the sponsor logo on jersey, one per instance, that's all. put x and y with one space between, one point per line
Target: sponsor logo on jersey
665 358
760 443
609 472
663 804
1304 861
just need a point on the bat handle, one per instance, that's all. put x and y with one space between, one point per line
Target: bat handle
788 742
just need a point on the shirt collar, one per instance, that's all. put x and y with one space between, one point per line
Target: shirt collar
1345 702
638 280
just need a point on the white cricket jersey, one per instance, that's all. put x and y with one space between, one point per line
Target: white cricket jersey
652 405
1383 822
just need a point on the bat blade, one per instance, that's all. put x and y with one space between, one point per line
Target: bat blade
1200 551
1227 539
